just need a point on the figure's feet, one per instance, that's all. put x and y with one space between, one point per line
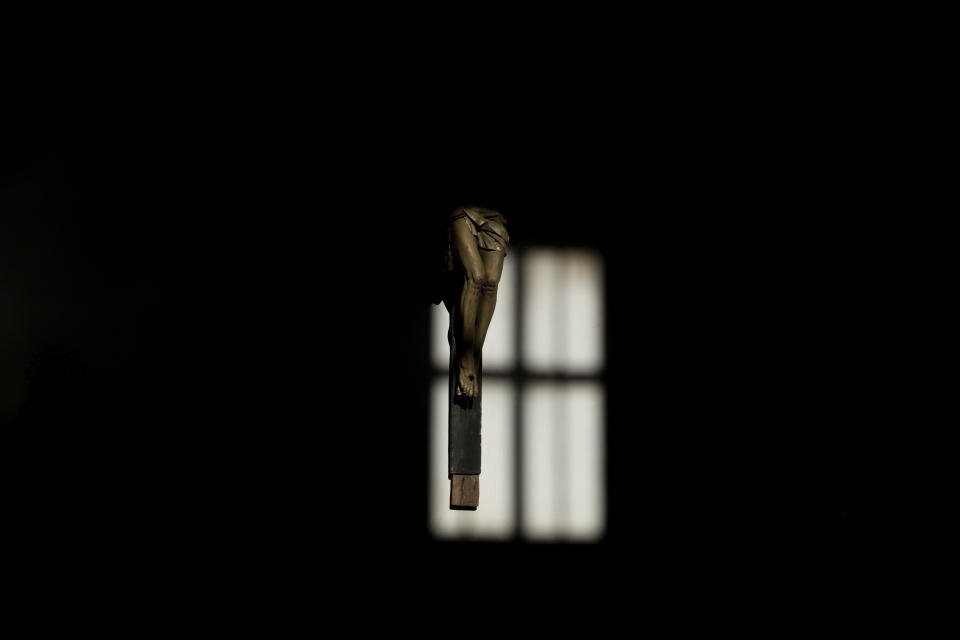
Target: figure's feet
467 379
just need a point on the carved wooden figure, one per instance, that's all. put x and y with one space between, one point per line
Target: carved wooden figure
476 246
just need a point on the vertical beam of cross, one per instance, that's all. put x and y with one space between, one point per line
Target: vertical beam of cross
464 428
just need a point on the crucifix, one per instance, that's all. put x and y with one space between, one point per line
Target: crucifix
477 241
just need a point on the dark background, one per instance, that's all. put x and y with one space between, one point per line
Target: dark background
231 306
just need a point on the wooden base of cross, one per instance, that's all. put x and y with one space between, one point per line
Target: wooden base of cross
464 491
464 431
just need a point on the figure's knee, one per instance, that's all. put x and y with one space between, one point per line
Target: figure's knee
474 279
478 281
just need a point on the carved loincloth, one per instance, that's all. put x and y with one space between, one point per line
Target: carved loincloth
488 227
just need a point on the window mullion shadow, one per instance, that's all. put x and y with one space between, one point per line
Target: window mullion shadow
518 385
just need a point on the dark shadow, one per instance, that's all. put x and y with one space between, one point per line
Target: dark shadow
48 461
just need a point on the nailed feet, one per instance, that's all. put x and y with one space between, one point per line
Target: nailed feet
467 384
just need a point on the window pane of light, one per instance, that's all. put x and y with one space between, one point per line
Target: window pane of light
439 348
542 346
493 518
585 461
583 313
540 486
563 311
563 465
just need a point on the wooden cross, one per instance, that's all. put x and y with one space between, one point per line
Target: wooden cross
464 429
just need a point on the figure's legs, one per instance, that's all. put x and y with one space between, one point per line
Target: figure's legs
466 247
492 269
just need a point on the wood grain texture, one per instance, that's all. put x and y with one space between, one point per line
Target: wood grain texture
464 491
